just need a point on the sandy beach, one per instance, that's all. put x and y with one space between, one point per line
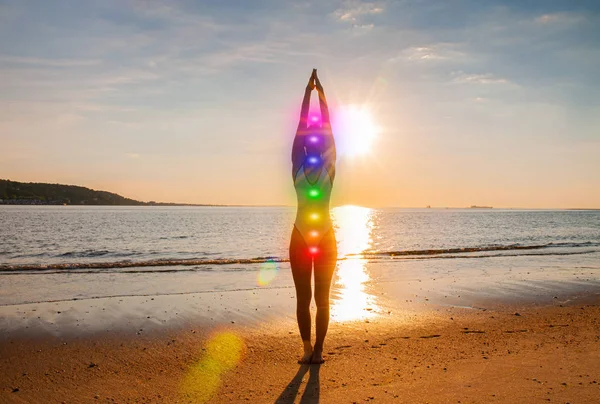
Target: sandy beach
522 352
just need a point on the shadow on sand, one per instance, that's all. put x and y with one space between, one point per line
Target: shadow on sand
311 391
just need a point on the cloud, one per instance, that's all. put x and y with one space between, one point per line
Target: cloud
559 18
365 27
424 53
546 18
433 52
44 62
353 10
434 55
487 78
91 107
76 83
45 113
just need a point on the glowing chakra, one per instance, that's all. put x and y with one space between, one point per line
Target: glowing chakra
314 216
313 160
314 233
314 139
313 193
313 250
314 118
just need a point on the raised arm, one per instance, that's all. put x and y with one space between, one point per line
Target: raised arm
329 154
298 152
306 101
322 102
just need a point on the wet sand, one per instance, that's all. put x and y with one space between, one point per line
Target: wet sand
403 352
549 354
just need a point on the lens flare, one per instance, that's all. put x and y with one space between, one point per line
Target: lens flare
222 353
268 272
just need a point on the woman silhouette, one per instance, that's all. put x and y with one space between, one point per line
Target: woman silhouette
313 240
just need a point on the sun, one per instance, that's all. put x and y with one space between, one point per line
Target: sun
355 130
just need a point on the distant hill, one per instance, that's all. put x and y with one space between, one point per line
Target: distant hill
32 193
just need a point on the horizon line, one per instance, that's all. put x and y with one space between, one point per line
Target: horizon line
179 204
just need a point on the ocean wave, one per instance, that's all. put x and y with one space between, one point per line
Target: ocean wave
134 264
100 253
84 254
205 265
510 247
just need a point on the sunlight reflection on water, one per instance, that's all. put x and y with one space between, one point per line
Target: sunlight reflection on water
353 228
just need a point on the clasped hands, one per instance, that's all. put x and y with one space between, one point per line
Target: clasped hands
313 82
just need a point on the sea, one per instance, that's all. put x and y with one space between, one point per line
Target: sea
59 253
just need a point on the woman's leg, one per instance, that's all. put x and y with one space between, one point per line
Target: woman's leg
325 263
301 264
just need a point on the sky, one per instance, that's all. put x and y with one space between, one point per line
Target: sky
471 102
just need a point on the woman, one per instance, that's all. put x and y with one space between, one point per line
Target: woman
313 241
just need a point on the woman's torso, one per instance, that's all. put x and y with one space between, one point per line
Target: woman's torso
313 191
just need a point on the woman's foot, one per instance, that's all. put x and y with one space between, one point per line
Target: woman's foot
317 357
308 353
306 358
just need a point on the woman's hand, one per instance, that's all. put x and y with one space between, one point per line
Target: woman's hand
311 80
317 81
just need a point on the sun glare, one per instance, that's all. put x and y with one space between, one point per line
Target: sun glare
355 130
351 299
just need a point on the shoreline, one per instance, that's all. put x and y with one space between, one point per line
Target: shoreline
83 306
256 306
